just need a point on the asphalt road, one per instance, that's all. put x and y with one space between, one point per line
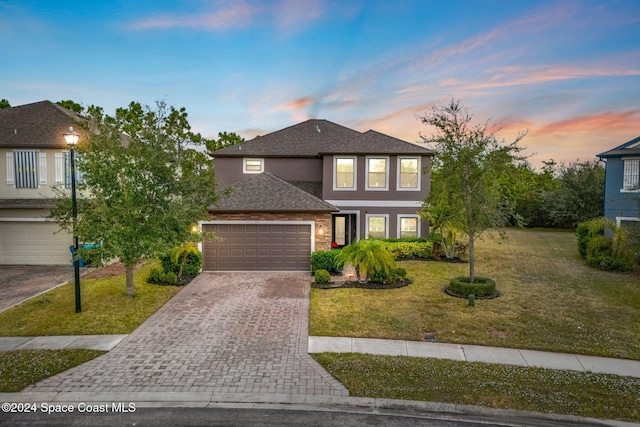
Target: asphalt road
189 417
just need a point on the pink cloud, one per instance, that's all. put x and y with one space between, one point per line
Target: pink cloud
584 125
237 15
295 13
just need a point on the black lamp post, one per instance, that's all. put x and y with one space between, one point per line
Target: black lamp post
72 139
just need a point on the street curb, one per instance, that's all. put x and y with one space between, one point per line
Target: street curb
306 402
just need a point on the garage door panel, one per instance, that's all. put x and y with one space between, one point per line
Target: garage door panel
257 247
34 243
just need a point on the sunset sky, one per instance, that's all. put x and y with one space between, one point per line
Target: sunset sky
568 71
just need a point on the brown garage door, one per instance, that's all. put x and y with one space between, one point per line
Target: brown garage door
257 247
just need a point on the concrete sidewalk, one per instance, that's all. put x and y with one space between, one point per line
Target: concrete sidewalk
476 353
466 353
86 342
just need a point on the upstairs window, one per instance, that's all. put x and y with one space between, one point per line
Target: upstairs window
408 173
344 173
252 165
377 173
25 168
631 177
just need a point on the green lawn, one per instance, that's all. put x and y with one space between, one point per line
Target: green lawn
550 300
21 368
106 309
496 386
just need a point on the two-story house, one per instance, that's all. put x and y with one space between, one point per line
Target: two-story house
308 187
622 184
34 159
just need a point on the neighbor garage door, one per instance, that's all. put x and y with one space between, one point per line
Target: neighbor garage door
258 247
34 243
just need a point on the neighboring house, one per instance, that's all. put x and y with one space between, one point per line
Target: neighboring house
308 187
34 159
622 184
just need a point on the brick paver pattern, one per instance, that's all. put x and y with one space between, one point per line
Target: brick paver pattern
225 332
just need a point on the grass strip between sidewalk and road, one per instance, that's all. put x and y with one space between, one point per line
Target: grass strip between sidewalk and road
21 368
106 309
490 385
549 300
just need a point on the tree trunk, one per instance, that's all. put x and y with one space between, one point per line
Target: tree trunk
129 275
472 258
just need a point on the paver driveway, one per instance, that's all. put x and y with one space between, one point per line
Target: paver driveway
20 282
225 332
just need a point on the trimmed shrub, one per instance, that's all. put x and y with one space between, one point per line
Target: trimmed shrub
326 260
154 275
409 250
598 248
169 278
582 233
401 272
404 239
380 276
322 276
481 287
191 268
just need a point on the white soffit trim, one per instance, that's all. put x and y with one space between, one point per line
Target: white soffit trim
377 203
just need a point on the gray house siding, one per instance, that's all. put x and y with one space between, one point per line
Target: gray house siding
362 193
617 203
229 170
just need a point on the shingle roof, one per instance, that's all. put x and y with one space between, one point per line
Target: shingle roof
305 139
628 148
37 125
372 142
266 192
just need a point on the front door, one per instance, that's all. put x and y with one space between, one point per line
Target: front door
344 229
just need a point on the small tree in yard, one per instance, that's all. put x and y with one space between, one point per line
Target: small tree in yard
468 163
142 188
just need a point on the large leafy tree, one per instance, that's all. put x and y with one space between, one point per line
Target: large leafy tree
469 164
144 184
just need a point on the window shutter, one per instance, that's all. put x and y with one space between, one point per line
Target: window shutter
67 169
59 168
10 171
42 167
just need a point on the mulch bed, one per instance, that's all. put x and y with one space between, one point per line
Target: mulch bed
361 285
113 269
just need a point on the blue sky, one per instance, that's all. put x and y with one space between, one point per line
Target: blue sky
568 71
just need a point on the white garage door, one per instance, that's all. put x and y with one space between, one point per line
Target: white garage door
34 243
257 247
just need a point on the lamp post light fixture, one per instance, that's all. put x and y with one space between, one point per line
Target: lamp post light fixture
71 139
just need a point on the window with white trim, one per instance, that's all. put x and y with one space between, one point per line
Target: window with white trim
408 173
631 175
377 226
344 175
252 165
25 168
377 173
408 226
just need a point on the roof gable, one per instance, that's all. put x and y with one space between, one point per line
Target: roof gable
37 125
305 139
266 192
628 148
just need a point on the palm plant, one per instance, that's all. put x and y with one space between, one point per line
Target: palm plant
367 256
180 253
597 226
442 219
